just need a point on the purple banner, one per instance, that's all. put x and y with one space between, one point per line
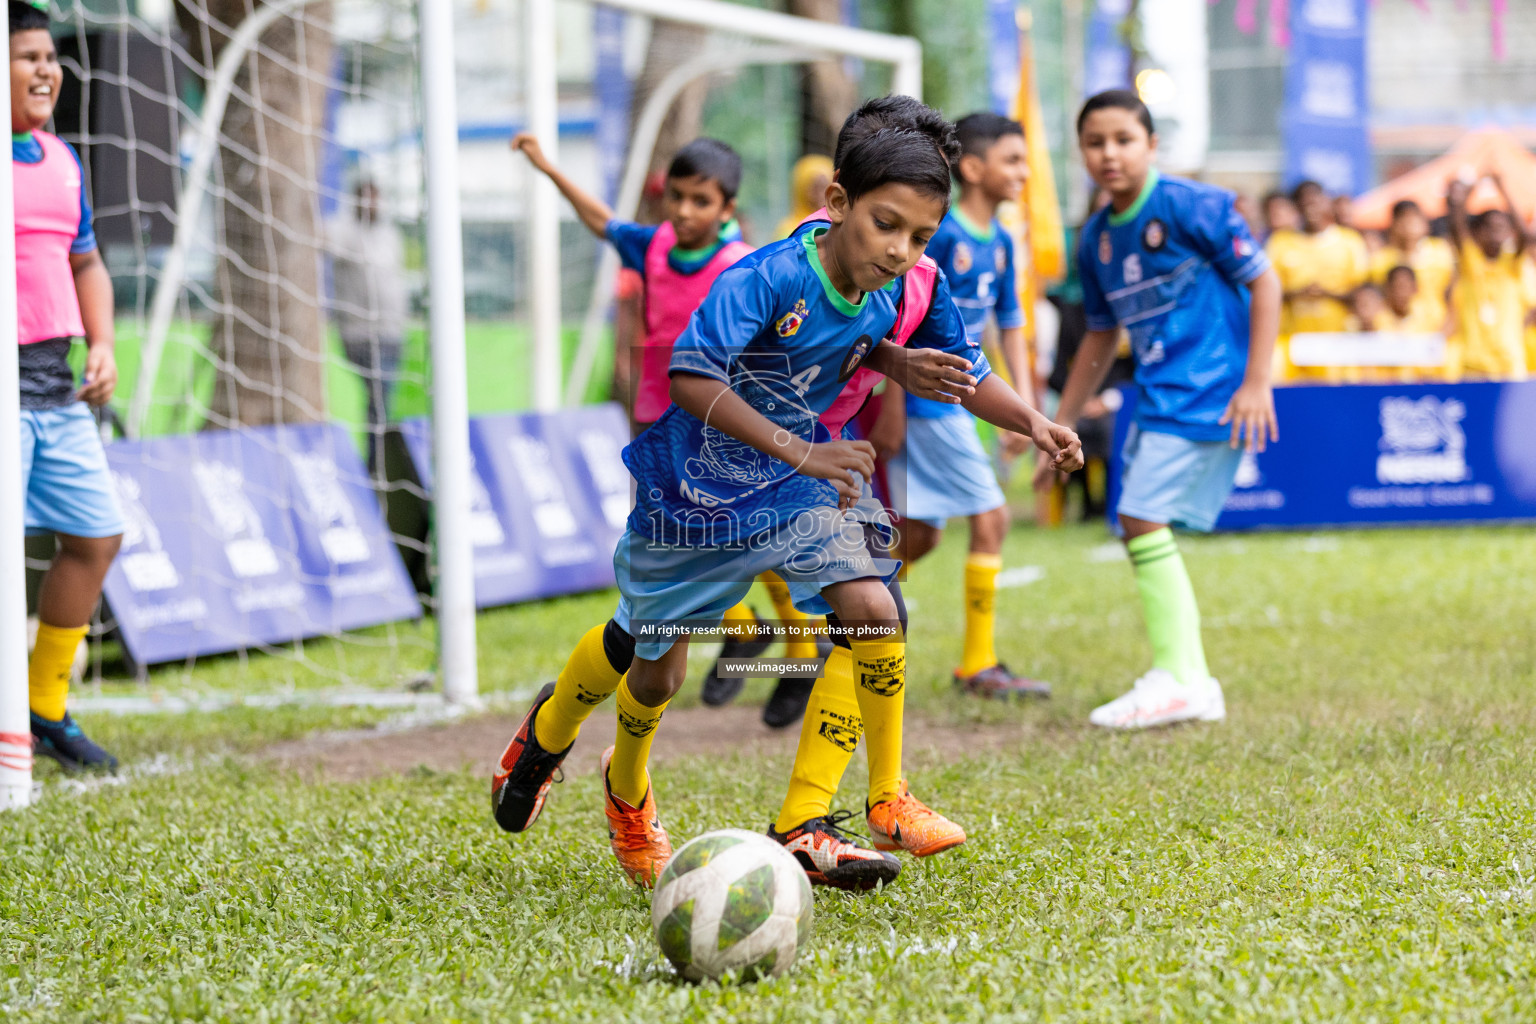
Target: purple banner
237 539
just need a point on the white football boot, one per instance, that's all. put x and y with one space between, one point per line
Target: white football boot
1156 699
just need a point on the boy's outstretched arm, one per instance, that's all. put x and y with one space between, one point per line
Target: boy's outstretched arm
1001 406
594 213
714 403
1252 409
1522 238
93 286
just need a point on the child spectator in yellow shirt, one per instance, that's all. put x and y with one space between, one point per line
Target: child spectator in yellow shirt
1492 295
1432 260
1320 266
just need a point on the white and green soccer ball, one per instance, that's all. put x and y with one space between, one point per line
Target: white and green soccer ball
732 900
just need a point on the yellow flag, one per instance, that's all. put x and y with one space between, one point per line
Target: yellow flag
1047 241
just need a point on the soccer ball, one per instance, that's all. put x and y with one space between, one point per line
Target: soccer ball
731 900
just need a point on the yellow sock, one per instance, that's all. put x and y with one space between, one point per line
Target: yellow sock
828 735
980 612
738 619
53 659
627 777
585 682
880 668
799 643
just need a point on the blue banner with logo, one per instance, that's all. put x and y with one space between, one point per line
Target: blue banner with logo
237 539
1383 453
1107 60
1327 100
550 499
1002 55
614 92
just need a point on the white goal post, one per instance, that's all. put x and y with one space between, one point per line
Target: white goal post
774 38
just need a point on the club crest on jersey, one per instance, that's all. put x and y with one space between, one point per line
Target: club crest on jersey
1242 247
855 357
1154 236
790 322
963 259
1106 248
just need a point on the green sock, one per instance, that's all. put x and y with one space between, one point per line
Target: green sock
1168 602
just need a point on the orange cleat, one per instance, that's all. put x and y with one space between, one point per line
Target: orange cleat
906 823
638 840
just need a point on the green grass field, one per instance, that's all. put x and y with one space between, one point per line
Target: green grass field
1356 843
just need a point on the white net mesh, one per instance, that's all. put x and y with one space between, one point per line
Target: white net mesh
293 306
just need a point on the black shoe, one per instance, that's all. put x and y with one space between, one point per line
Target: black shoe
786 705
527 771
67 743
831 856
720 689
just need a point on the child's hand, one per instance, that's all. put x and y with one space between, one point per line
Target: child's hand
936 375
529 144
1059 444
1252 415
100 376
838 462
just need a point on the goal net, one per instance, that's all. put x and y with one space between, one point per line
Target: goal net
263 218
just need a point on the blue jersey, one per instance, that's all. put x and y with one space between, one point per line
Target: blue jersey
776 331
1170 270
979 267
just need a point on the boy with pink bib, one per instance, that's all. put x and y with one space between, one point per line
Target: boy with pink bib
64 293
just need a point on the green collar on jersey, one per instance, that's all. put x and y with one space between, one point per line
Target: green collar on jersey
1134 210
976 233
21 136
834 296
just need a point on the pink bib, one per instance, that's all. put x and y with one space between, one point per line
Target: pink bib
916 297
670 299
47 222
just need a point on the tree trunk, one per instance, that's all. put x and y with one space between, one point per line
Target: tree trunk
827 94
671 44
269 335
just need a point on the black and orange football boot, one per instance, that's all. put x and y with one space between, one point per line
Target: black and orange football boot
526 772
831 856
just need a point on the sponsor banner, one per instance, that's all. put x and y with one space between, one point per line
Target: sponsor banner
1107 58
550 498
236 539
1383 453
1324 120
1002 55
613 88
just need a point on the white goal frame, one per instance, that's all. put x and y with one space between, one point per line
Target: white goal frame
774 39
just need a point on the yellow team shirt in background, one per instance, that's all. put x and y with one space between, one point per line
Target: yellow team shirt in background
1434 264
1335 259
1491 299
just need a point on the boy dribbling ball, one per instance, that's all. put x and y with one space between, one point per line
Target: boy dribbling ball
1170 261
737 478
65 293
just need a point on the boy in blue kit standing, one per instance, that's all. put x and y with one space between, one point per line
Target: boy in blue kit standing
938 467
1169 260
65 293
735 478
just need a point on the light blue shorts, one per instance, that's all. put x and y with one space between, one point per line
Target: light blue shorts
666 591
942 471
64 468
1171 479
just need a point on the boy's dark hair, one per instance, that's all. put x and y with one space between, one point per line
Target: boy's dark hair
1304 187
710 159
1273 196
1369 286
1116 99
1405 206
27 16
977 133
903 156
1478 221
888 112
1402 268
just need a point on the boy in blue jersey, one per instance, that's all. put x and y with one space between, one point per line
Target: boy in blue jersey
1173 263
938 467
735 478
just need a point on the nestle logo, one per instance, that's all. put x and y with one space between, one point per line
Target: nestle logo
1422 441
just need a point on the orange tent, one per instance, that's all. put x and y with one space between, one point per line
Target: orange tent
1477 154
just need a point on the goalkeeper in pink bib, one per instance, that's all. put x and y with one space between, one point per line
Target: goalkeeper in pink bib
64 293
